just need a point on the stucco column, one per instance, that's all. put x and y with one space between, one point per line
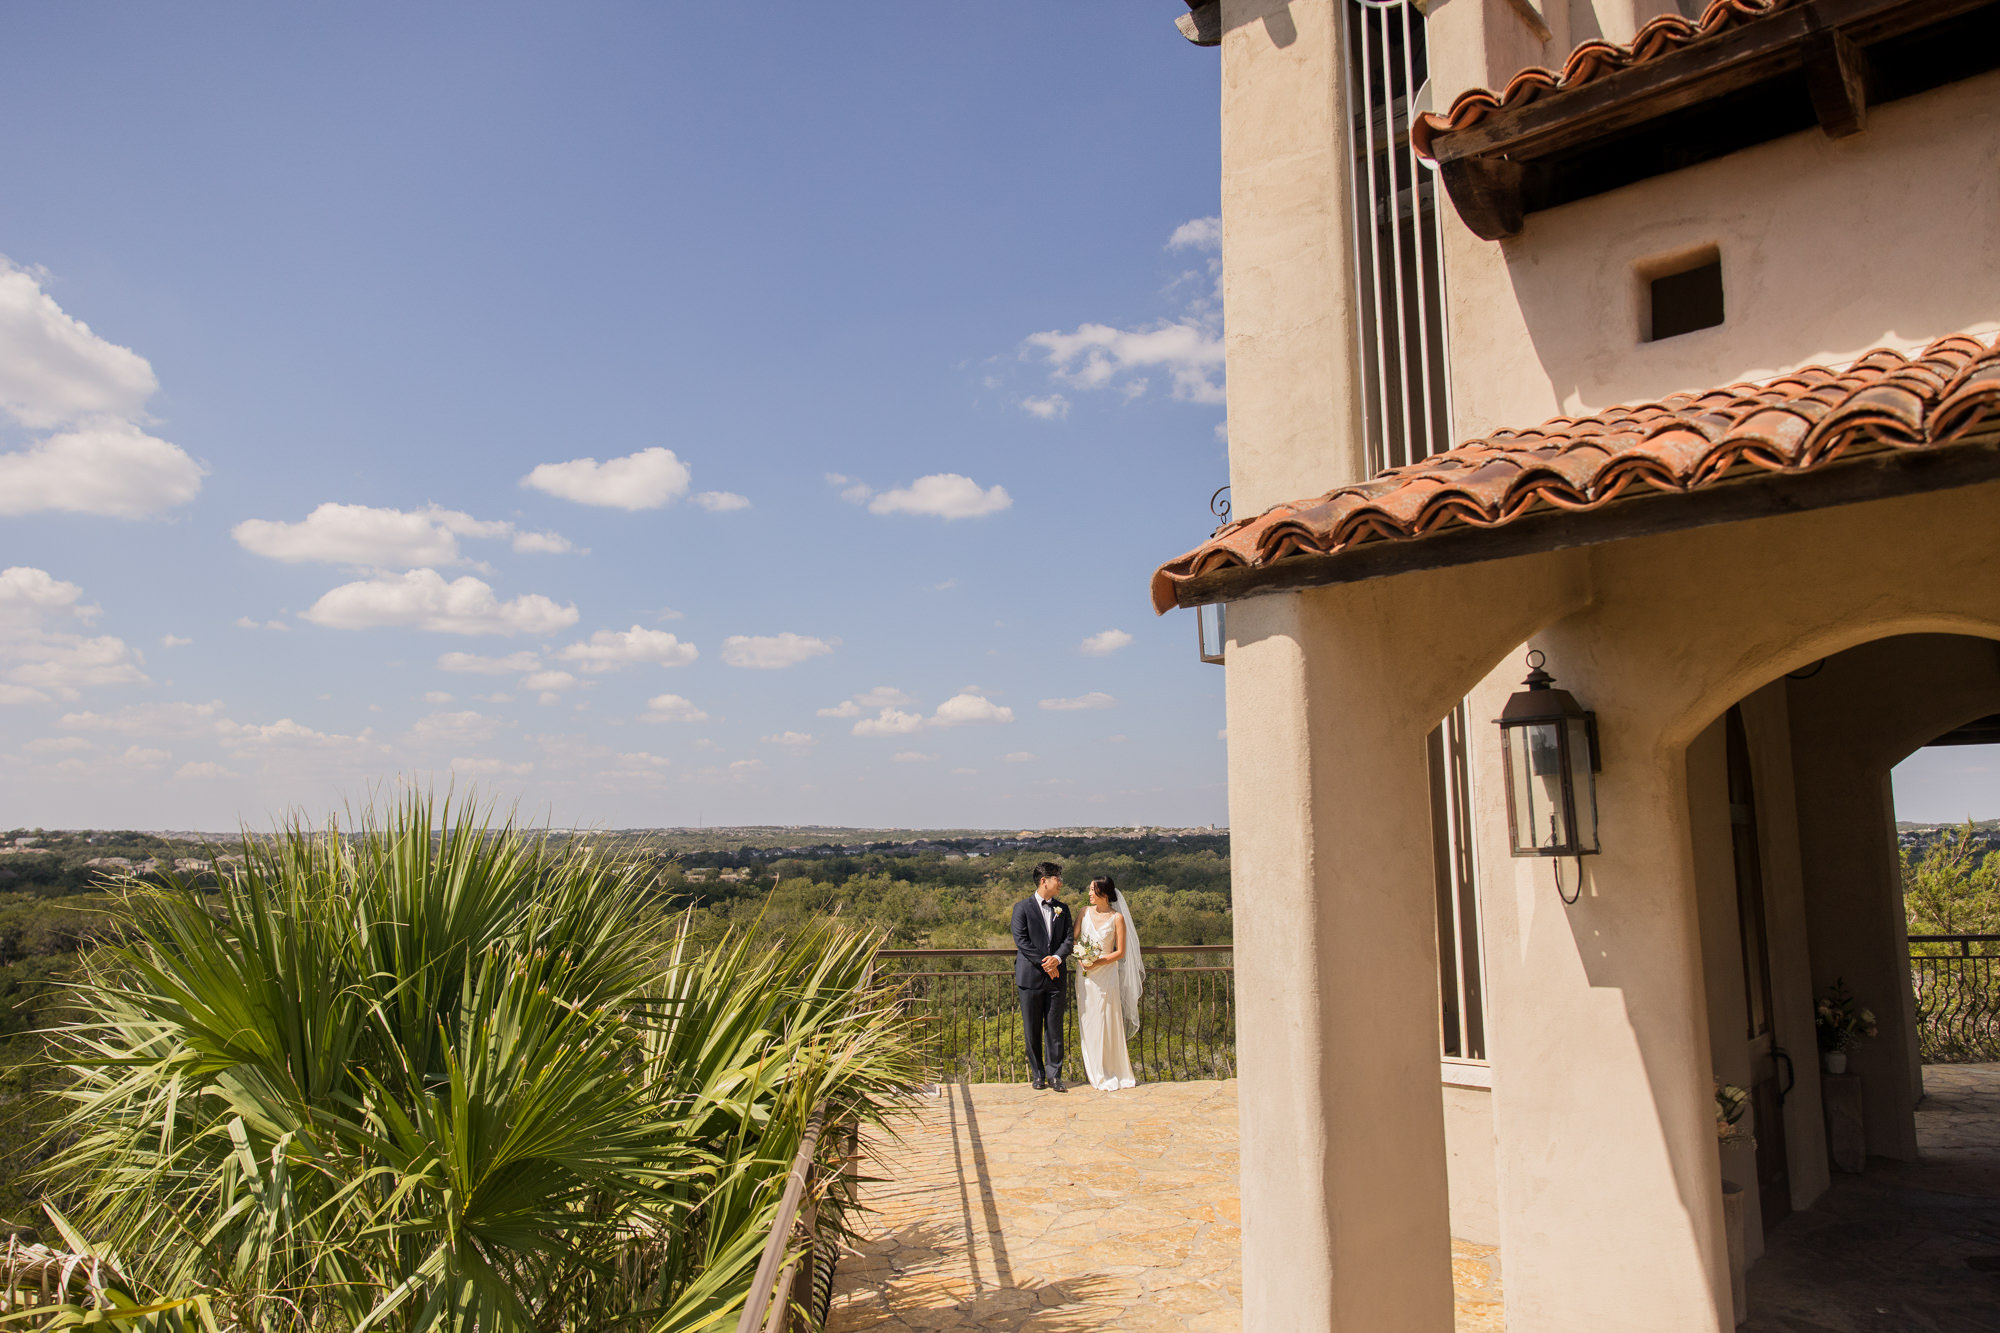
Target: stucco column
1345 1219
1609 1179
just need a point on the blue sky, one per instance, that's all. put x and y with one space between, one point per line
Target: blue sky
654 414
657 414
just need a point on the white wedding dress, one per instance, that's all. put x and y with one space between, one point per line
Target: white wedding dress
1103 1022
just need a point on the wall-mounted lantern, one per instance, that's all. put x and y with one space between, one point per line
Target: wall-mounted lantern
1211 631
1550 746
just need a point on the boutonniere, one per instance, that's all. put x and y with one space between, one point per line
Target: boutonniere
1057 908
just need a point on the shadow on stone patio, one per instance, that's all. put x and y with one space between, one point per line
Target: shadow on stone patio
1907 1247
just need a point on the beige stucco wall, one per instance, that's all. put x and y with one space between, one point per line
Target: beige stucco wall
1829 248
1470 1162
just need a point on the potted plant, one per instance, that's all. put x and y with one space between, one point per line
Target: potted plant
1731 1104
1841 1024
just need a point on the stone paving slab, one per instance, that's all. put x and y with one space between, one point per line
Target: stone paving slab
1002 1208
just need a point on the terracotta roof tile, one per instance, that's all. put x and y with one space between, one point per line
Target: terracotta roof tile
1592 60
1792 424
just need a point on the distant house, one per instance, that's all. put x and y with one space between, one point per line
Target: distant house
1660 341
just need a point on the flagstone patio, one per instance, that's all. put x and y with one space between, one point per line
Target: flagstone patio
1008 1209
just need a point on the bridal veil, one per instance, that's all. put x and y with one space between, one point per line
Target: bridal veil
1131 969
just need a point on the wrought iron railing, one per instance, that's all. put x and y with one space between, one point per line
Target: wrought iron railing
1956 979
971 1029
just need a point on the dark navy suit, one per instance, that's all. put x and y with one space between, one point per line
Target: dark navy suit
1043 998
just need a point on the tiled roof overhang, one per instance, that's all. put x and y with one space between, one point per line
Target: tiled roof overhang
1544 138
1886 425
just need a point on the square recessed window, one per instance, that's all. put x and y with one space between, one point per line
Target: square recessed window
1688 300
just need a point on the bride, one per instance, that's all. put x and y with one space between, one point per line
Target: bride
1110 988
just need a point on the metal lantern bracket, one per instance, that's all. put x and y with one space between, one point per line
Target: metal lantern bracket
1550 758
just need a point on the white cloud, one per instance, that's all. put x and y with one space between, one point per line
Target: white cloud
671 708
794 739
285 735
912 757
111 468
489 768
964 772
962 709
1105 643
437 697
548 681
55 374
29 595
943 495
174 641
1094 356
641 760
1095 699
889 722
769 652
613 650
422 599
489 666
720 502
1019 757
1052 408
245 622
882 696
57 745
463 728
371 538
1197 234
64 664
53 369
645 480
203 770
969 705
744 767
1186 347
41 655
852 491
155 719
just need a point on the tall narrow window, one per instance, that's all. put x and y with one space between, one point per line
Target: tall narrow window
1398 256
1461 969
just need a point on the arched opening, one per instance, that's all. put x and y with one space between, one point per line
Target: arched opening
1799 884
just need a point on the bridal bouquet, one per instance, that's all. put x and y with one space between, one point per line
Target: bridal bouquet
1086 953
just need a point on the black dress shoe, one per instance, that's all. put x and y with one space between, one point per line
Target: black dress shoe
1037 1084
1057 1084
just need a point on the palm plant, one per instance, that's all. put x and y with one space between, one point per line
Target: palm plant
430 1074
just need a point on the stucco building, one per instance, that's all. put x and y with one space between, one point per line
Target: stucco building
1673 359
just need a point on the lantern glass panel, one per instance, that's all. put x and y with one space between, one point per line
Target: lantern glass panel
1535 758
1582 785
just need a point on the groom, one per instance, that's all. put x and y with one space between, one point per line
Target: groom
1043 937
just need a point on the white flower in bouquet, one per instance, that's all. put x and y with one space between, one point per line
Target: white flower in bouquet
1086 954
